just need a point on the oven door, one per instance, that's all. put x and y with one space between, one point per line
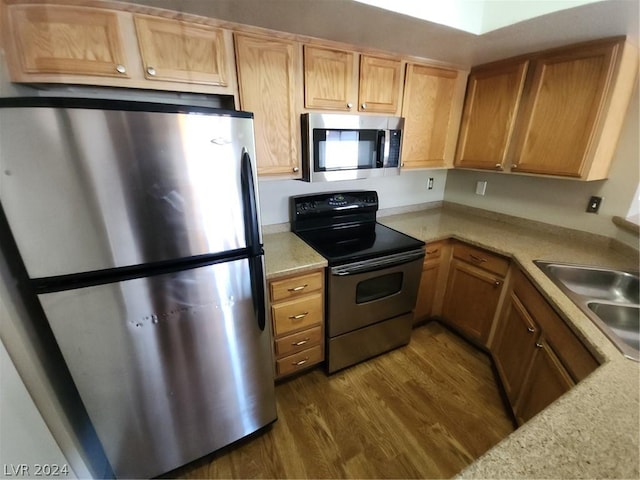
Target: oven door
363 293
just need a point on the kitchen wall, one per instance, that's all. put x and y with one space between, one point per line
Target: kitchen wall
408 188
559 201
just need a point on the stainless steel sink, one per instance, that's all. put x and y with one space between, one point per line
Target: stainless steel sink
609 297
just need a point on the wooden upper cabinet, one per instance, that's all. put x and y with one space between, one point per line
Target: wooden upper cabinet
61 40
562 126
333 80
380 84
431 108
178 51
494 93
270 80
329 81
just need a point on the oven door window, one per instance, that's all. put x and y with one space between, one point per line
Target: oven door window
378 287
345 149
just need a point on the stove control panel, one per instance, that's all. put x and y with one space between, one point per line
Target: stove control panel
333 204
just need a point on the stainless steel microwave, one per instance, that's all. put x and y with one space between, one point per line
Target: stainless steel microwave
349 147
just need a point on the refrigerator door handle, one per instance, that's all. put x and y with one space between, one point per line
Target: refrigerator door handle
252 233
250 208
257 287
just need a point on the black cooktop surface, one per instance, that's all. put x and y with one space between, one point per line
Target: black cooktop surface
356 243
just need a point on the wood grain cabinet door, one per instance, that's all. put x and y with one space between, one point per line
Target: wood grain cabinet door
471 300
559 120
380 85
329 81
547 381
493 99
64 40
514 346
430 112
270 83
178 51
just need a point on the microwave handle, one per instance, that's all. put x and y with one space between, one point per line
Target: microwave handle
381 148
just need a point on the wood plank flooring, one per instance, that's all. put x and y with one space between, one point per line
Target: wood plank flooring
426 410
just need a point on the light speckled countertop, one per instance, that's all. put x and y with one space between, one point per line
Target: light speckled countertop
593 431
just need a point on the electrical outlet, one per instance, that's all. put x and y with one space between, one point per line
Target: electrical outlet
430 183
481 187
594 204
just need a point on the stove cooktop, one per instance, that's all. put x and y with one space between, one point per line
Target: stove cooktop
342 228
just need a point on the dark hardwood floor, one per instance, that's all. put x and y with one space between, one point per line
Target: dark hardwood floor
422 411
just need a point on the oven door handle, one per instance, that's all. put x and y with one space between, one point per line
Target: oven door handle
377 263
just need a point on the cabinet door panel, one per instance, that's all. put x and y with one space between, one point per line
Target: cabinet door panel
380 81
546 382
182 52
428 111
488 120
269 77
559 119
471 299
515 346
328 78
67 40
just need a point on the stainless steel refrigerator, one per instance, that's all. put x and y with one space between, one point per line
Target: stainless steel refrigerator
138 225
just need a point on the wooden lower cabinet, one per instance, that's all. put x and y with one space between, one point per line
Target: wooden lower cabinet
432 281
474 289
537 356
297 316
547 381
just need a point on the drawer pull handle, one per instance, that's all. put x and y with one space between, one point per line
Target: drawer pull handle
301 342
531 329
301 362
477 259
539 345
299 316
433 252
298 289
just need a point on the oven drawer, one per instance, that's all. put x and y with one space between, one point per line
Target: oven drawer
295 286
297 314
298 341
299 360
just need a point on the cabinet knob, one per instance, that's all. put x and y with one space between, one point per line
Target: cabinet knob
539 345
363 106
498 166
497 283
402 164
151 71
121 69
514 165
349 105
531 329
295 169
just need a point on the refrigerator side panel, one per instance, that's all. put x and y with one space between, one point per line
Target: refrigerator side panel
86 190
170 367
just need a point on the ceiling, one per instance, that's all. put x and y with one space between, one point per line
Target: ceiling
364 25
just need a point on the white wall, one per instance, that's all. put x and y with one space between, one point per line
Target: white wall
408 188
559 201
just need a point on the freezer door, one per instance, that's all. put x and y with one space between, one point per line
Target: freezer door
87 189
170 367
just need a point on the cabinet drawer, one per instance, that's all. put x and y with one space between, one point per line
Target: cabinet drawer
433 250
299 360
483 259
572 353
296 314
295 286
298 341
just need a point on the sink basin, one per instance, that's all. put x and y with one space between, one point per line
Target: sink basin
609 297
624 320
613 285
